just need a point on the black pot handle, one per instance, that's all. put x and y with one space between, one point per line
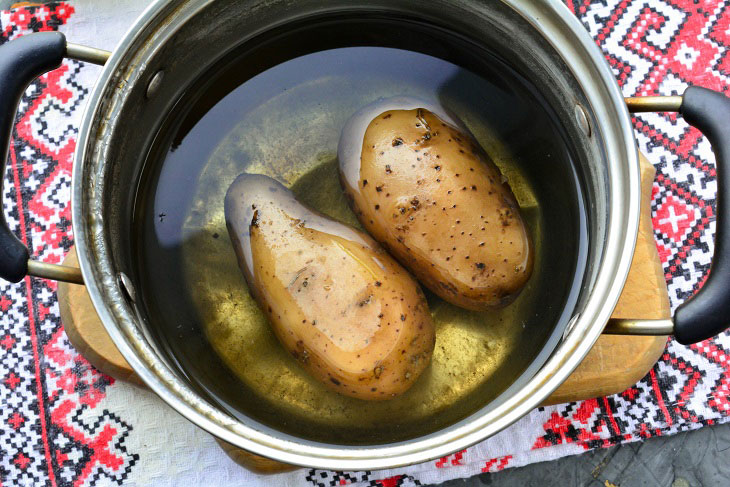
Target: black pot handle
21 61
707 313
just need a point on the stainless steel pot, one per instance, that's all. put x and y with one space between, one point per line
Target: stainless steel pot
175 41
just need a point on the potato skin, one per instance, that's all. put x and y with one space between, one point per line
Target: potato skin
349 314
425 190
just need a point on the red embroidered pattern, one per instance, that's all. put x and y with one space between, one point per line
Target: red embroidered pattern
46 385
49 392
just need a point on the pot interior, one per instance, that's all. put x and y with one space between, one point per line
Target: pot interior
276 106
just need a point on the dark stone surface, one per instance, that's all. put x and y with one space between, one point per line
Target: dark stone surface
691 459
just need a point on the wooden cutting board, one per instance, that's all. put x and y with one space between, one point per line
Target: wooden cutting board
613 364
617 362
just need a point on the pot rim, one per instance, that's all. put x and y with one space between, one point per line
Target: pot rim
559 27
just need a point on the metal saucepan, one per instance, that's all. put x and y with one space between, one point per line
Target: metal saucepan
176 42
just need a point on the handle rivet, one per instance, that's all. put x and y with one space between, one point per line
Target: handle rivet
154 84
582 118
125 283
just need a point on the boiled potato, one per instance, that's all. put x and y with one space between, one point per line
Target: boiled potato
429 194
349 314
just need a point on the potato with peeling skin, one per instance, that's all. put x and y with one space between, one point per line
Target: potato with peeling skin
349 314
429 194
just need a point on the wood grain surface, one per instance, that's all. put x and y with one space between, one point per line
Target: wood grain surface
616 362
